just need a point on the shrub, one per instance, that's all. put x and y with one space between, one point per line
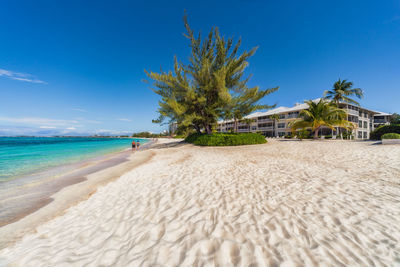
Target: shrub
303 134
225 139
328 136
347 135
384 129
391 136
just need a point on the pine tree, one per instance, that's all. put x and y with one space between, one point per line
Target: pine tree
197 94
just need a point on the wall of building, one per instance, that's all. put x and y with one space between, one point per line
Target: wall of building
362 119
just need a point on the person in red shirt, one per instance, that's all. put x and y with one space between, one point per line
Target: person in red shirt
133 145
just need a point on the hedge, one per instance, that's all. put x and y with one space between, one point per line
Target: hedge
226 139
391 136
384 129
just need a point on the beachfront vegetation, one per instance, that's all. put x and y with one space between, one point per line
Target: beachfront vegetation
342 91
225 139
384 129
391 136
210 87
395 118
303 134
320 114
275 119
149 135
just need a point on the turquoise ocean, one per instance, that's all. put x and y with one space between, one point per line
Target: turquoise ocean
21 156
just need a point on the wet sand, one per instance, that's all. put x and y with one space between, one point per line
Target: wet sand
285 203
26 195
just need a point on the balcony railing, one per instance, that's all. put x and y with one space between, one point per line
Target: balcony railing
265 128
265 120
352 112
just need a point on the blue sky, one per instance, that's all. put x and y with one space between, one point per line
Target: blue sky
78 66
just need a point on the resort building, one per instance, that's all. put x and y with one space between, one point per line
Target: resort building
363 120
381 118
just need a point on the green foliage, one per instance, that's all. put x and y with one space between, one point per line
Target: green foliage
148 135
342 90
347 134
381 130
288 136
225 139
328 136
303 134
320 114
210 86
395 118
391 136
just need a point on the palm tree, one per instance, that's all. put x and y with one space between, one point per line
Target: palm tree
274 118
342 91
320 114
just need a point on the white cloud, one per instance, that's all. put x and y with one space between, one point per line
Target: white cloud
19 76
38 121
123 119
47 127
111 132
91 121
71 128
79 109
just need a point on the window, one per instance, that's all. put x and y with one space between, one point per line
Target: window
281 125
359 134
243 127
360 114
280 134
254 128
262 125
360 124
365 115
365 135
352 118
282 116
365 125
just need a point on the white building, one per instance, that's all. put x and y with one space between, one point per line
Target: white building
362 119
381 118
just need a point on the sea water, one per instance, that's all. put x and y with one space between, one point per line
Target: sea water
21 156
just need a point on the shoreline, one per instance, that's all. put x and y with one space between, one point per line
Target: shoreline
285 203
62 191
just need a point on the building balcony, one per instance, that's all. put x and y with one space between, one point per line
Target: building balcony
353 112
264 120
265 128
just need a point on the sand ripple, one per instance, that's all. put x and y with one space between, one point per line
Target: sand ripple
279 204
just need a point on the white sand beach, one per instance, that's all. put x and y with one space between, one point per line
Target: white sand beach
285 203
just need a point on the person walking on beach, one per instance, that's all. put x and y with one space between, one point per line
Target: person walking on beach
137 145
133 145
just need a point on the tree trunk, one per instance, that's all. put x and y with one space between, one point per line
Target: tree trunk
316 133
235 126
208 129
197 128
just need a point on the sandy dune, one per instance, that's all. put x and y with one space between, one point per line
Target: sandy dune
283 203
